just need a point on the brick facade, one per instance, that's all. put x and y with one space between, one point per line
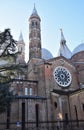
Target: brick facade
37 89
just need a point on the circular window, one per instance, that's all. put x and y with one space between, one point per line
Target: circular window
62 76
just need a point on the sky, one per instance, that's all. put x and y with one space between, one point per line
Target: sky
54 14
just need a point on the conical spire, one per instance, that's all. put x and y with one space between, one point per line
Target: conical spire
34 13
63 49
21 37
62 37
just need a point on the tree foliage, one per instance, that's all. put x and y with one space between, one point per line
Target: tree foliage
8 53
6 96
7 43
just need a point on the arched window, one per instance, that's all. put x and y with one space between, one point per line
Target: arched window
36 24
32 23
30 91
26 91
37 114
55 105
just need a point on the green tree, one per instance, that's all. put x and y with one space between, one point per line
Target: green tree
8 54
6 96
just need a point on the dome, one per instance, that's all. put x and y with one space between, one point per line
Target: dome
78 49
46 54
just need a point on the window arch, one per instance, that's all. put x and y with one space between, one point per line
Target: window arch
30 91
37 114
55 105
34 24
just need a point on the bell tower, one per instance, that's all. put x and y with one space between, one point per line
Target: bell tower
34 35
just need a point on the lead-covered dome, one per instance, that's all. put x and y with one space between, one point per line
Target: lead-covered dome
46 54
79 48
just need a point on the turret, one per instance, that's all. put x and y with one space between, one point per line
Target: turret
21 49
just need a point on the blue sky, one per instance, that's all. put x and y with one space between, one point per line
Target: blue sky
54 14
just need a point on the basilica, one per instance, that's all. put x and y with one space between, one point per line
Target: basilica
48 88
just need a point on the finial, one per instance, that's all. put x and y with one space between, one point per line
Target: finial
61 29
34 5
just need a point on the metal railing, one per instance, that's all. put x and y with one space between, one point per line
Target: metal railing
46 125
